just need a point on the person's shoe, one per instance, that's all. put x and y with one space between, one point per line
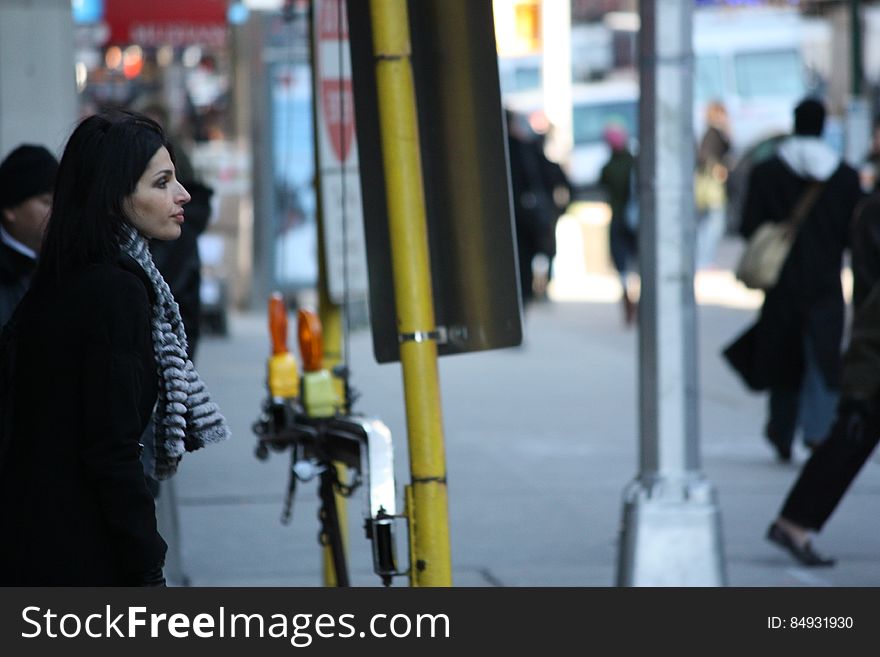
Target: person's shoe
812 445
802 553
630 309
783 451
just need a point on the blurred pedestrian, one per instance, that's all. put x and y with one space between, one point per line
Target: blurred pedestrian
835 463
870 170
617 178
540 195
180 265
710 193
94 352
557 183
793 350
27 177
178 260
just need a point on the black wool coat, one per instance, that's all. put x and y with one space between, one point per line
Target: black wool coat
861 362
16 270
865 236
808 299
74 505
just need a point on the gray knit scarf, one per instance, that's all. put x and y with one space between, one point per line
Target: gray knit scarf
185 419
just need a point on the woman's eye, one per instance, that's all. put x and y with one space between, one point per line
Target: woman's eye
162 184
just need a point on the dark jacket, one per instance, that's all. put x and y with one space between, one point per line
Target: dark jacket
16 270
714 148
861 364
808 299
618 182
74 505
535 181
866 247
615 179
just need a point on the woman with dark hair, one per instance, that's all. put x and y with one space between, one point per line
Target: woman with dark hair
95 351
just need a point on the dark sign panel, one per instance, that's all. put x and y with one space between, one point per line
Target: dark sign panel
465 171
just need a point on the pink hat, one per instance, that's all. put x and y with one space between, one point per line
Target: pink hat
615 136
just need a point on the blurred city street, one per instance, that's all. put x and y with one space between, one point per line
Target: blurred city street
541 441
282 109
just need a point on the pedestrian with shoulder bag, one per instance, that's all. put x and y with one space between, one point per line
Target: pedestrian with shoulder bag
796 220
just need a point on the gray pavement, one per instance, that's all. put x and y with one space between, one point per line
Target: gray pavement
540 443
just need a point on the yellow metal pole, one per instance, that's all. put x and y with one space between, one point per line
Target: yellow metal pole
330 314
429 512
331 336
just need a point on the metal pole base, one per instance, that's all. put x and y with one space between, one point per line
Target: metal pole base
671 536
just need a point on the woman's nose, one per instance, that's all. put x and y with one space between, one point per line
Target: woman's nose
183 196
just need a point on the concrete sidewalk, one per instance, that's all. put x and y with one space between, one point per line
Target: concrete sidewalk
540 441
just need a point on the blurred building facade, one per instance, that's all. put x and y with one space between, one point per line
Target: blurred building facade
38 101
235 77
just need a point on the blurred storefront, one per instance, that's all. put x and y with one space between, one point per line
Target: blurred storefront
179 54
173 51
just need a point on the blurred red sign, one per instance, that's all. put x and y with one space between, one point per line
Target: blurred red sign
166 22
337 101
333 21
338 109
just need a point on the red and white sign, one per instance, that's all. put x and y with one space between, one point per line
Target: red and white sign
335 76
340 193
172 22
338 115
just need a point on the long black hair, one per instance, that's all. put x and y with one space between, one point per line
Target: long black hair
104 158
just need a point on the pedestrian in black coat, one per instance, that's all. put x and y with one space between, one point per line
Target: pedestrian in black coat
540 195
16 270
94 352
178 260
856 431
27 176
794 349
617 178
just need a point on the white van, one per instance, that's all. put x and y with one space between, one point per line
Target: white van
752 60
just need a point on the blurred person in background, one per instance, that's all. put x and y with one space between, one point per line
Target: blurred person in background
870 170
541 192
27 178
710 195
794 349
617 179
554 178
178 260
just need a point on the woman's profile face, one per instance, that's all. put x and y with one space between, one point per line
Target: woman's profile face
155 207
